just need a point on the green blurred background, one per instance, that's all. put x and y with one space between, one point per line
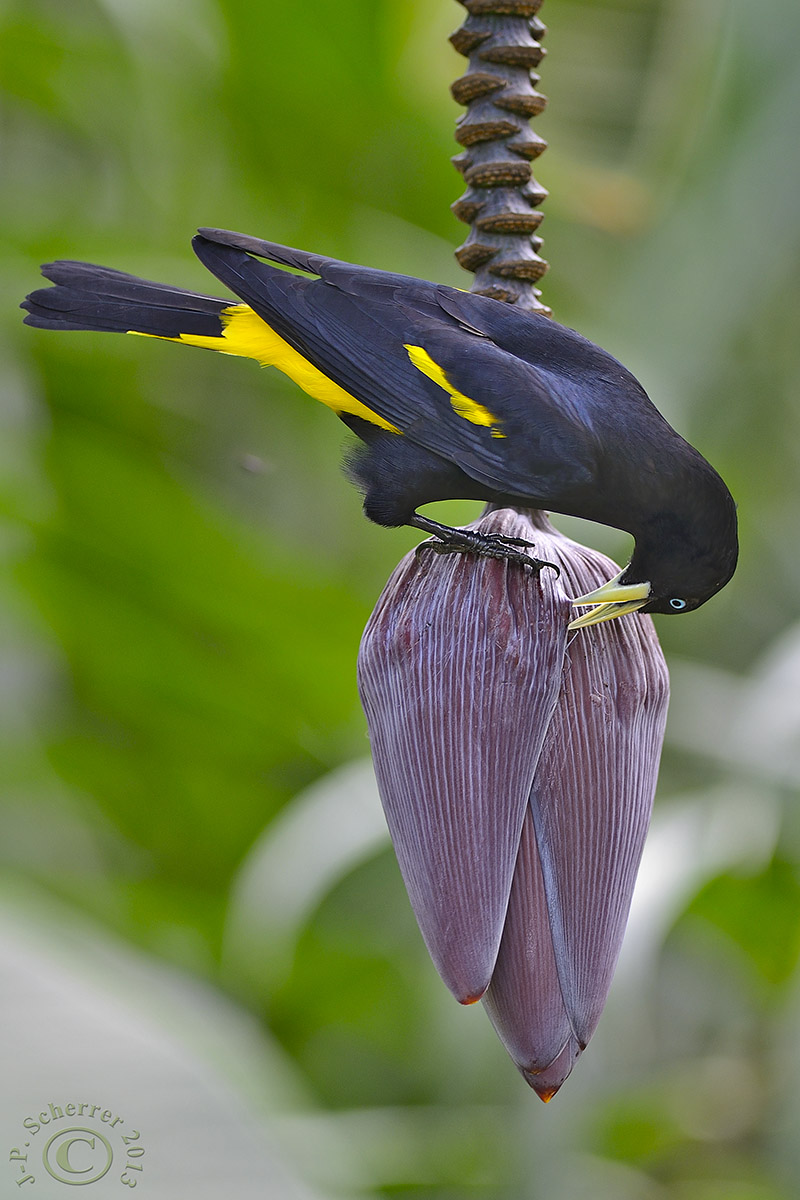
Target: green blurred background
189 835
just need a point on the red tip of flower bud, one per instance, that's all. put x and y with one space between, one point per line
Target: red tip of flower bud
548 1081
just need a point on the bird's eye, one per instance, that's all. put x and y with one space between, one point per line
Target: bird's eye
677 603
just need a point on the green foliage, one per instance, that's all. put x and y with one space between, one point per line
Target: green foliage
187 575
760 914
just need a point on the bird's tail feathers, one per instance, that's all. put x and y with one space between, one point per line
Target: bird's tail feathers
89 297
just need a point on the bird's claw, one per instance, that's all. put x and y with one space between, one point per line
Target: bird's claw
506 541
485 545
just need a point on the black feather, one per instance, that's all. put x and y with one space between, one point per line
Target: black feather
99 298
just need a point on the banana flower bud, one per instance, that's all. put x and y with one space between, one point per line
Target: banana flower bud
517 764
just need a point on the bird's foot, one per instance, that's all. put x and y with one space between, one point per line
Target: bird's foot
469 541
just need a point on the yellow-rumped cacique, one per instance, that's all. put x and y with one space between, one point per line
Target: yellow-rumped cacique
453 396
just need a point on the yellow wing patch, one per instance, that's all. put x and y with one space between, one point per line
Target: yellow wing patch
245 335
463 406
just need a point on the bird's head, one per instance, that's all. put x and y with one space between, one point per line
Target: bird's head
674 569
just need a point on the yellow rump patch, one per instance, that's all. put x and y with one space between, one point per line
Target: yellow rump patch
463 406
245 335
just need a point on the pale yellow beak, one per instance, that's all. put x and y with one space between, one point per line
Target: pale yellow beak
613 599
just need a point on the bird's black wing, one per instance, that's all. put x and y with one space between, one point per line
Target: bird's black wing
534 338
387 341
334 270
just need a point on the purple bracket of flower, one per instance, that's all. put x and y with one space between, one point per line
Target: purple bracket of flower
517 765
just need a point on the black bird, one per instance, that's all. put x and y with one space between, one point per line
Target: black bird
453 396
